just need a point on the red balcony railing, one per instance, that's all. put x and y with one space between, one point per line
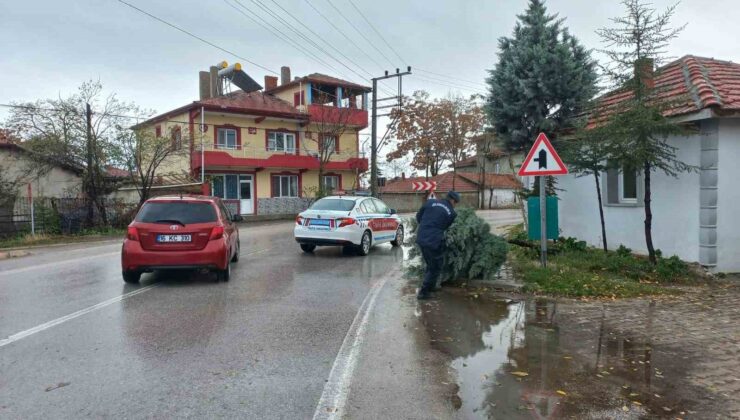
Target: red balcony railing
335 115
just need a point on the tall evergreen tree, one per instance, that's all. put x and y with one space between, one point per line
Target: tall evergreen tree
638 129
543 78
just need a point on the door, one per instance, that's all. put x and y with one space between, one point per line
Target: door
386 224
246 194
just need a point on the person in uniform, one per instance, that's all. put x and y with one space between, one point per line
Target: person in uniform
434 218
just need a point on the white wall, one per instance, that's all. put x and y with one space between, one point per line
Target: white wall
675 210
501 198
728 200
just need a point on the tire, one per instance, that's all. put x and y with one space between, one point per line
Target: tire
131 277
308 248
235 258
365 244
399 237
224 275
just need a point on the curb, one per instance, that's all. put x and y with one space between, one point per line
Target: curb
57 245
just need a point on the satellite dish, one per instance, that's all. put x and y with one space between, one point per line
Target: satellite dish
235 75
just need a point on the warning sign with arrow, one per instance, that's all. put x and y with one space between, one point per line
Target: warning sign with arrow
542 159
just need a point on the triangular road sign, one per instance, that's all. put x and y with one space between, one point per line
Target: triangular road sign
542 159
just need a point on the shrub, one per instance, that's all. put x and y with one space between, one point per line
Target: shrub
572 244
623 251
472 252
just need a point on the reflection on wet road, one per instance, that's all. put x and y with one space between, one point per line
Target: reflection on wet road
531 359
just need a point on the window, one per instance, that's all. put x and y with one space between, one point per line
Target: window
176 135
333 204
381 207
299 98
226 138
281 142
498 168
330 182
368 207
329 145
182 211
621 186
226 186
285 186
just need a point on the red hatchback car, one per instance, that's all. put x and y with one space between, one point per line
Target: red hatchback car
188 232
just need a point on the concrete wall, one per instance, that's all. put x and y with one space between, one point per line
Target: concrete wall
411 202
54 182
675 210
501 198
728 202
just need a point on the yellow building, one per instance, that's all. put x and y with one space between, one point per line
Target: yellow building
262 151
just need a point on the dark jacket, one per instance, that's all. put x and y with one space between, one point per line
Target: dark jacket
434 217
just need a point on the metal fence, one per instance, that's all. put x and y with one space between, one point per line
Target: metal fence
59 216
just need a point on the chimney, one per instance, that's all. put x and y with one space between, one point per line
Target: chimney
403 175
270 82
213 76
644 71
284 75
204 84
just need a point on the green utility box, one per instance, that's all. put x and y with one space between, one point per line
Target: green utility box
533 219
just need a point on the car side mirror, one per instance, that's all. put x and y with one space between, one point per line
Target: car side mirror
237 218
393 211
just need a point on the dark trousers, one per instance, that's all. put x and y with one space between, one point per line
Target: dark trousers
433 258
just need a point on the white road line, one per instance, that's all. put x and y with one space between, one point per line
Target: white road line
55 322
336 390
56 263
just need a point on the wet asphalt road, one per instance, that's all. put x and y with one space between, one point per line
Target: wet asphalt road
260 346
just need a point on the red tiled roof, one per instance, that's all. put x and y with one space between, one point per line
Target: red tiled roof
494 180
691 84
444 183
320 78
114 172
256 102
471 161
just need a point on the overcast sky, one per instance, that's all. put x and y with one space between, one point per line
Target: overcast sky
49 47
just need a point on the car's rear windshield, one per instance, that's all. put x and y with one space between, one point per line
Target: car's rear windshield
333 204
181 212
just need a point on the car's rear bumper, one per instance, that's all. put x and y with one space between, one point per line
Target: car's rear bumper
135 258
304 235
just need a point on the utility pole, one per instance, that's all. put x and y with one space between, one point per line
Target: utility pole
374 123
90 190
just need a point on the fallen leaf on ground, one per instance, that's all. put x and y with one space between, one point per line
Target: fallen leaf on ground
59 385
567 357
634 394
563 393
520 374
625 408
636 403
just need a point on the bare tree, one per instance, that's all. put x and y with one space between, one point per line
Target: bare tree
145 153
78 131
328 124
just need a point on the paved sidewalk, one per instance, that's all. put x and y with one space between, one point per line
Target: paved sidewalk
688 346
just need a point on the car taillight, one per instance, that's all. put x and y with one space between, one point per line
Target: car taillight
132 234
346 221
217 233
298 220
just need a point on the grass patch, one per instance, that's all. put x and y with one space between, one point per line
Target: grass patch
575 270
47 239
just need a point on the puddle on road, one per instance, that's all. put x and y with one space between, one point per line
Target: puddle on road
571 371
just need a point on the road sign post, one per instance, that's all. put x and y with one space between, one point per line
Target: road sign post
542 160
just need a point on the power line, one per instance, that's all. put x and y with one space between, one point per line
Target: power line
377 32
360 32
450 77
280 34
277 17
451 83
436 82
196 37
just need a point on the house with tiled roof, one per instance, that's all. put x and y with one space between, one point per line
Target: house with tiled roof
694 215
258 149
499 190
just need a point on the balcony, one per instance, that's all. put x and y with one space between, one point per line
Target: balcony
247 157
340 116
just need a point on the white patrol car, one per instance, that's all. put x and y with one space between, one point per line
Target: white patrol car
357 223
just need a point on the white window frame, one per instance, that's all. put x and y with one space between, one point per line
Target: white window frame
272 139
226 130
280 192
333 143
336 182
622 198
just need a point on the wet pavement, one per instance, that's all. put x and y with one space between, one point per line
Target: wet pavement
76 342
521 358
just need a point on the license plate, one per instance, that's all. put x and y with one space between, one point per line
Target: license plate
174 238
320 224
